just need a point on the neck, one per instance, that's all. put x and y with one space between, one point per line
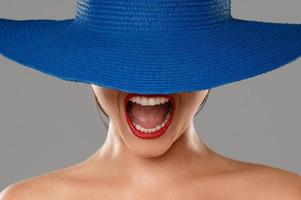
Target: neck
187 153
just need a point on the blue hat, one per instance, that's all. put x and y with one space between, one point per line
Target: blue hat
151 46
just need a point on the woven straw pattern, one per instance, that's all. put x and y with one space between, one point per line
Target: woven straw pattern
149 61
151 14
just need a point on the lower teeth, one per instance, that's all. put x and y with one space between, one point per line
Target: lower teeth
146 130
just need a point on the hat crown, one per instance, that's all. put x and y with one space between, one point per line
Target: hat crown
151 14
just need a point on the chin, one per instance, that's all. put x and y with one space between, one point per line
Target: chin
149 150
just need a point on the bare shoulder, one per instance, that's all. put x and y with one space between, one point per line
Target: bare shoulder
273 183
42 187
18 191
258 181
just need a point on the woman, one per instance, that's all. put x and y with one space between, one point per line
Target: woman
151 65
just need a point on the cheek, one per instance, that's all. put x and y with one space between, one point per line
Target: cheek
108 102
191 104
187 110
184 115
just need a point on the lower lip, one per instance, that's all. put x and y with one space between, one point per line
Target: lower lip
151 135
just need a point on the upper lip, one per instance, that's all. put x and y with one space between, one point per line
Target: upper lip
170 97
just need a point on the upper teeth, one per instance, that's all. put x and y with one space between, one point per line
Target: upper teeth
149 101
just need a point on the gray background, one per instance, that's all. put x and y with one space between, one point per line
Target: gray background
48 124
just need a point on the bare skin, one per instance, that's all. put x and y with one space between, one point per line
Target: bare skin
175 166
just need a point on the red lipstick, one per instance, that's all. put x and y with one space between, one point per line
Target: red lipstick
157 133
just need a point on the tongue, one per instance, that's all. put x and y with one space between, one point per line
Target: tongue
149 116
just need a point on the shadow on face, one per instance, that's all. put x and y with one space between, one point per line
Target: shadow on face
112 103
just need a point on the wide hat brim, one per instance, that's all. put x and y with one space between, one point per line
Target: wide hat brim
151 62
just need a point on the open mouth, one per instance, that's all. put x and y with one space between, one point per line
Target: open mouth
148 116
